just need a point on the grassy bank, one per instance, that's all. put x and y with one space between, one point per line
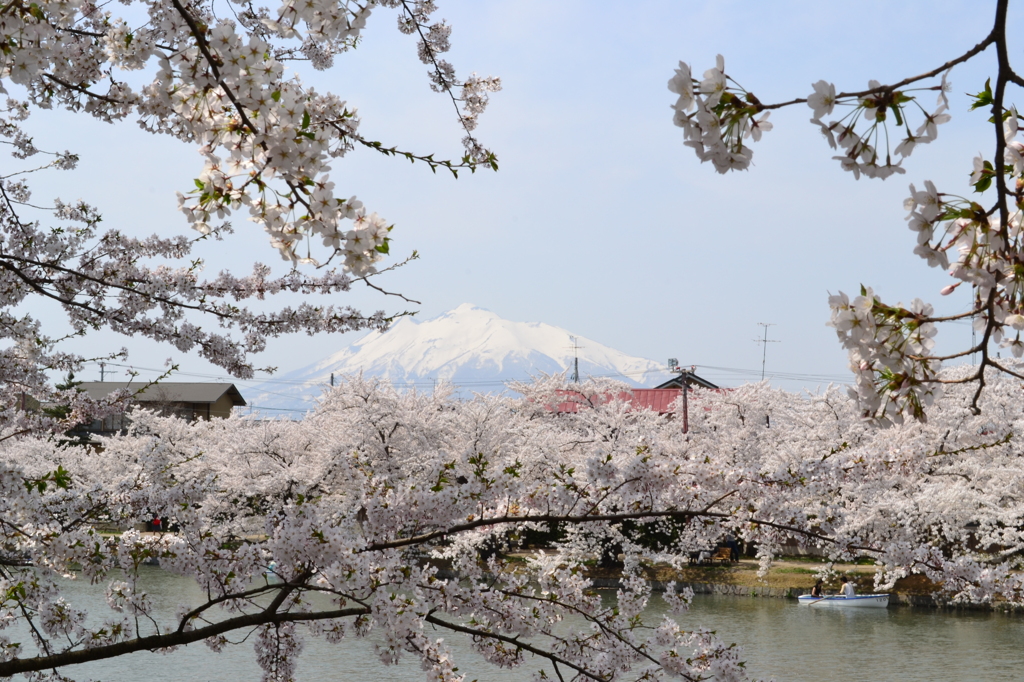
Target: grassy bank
786 574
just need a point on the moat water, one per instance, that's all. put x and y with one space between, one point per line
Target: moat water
779 639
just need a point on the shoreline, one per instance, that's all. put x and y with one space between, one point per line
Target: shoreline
789 579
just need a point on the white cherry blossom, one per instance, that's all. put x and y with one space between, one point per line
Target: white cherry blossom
823 99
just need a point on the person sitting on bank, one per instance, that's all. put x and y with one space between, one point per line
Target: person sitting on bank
847 589
816 590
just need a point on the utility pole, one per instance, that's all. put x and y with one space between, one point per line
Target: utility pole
765 341
684 375
103 371
686 404
576 359
332 379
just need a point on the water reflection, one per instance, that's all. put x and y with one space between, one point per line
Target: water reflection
908 644
779 639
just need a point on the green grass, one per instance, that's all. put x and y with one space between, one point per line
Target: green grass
860 561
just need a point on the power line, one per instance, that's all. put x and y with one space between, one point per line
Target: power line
277 409
734 372
797 376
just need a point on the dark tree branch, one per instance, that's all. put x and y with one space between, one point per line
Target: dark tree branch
177 638
977 49
80 89
580 519
515 641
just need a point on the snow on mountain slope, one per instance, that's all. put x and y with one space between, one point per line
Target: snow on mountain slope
468 346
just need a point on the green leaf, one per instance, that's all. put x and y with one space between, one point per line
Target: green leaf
62 478
983 98
383 248
896 112
276 95
305 120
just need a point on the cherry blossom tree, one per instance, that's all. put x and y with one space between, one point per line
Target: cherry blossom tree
357 505
221 76
978 240
351 502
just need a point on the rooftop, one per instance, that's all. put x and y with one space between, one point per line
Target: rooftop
166 392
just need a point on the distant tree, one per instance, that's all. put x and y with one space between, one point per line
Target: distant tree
69 383
60 412
979 241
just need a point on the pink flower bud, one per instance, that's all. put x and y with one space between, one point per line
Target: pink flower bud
947 290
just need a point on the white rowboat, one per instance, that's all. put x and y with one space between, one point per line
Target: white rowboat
879 601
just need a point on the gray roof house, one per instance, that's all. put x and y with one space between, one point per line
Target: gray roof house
188 400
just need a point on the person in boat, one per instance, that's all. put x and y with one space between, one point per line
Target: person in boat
847 590
816 590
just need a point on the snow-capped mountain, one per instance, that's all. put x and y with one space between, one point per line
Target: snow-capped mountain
469 346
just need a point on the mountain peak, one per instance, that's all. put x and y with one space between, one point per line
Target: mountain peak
467 311
468 308
469 346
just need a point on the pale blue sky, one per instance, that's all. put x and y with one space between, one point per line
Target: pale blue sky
600 221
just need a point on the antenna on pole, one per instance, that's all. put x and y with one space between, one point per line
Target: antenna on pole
576 359
765 341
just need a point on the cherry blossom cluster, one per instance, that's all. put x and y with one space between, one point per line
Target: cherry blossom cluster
891 347
267 140
717 116
103 280
434 41
218 76
874 108
272 128
357 503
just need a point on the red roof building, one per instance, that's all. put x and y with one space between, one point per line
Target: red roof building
658 400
